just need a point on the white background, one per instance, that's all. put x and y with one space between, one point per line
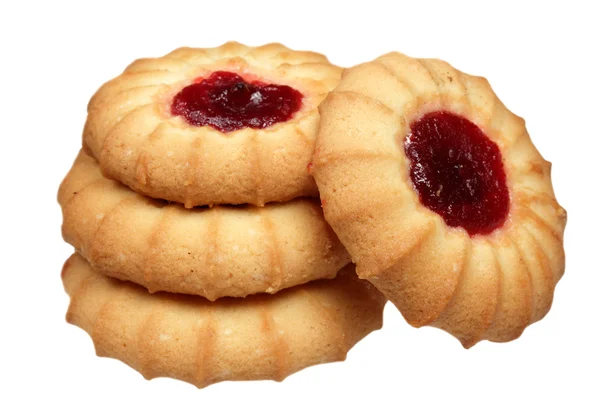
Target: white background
541 60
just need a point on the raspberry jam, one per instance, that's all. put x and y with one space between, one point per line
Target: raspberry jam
458 172
227 102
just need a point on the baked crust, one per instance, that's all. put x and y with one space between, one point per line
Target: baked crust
191 339
212 252
131 131
481 287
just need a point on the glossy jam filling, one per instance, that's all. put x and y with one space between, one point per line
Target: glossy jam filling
227 102
458 172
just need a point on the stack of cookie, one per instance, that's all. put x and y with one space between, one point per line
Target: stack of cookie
202 253
196 179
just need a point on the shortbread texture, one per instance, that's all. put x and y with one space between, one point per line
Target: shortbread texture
481 287
211 252
202 342
131 132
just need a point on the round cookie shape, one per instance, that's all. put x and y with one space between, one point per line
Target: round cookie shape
440 197
212 252
201 342
228 125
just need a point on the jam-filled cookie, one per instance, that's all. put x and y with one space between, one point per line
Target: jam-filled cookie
212 252
440 197
201 342
227 125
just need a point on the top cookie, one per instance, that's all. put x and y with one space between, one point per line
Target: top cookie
440 197
227 125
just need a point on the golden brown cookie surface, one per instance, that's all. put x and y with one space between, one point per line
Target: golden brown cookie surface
212 252
202 342
439 195
137 130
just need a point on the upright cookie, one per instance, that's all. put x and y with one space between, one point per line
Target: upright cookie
194 340
227 125
212 252
439 195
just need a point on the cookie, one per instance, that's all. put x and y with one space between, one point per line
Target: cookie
440 197
202 342
227 125
212 252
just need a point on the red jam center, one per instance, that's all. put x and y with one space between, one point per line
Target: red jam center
458 172
227 102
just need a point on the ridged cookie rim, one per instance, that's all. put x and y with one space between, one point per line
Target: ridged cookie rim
211 252
151 332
